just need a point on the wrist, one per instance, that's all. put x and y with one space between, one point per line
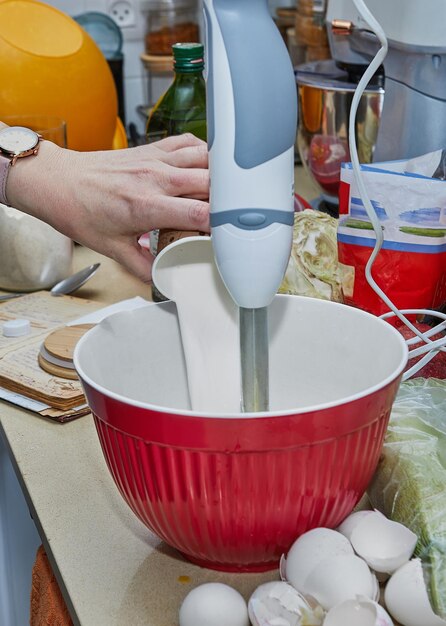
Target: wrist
28 179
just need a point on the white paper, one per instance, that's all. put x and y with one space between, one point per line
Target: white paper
98 316
23 401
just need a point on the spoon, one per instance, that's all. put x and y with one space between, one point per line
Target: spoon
65 286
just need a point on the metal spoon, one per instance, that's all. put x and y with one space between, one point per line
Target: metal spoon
65 286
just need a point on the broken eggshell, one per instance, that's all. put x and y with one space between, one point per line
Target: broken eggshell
279 604
359 612
350 522
340 578
309 550
384 544
406 597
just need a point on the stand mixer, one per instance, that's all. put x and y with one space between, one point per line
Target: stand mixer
413 119
252 117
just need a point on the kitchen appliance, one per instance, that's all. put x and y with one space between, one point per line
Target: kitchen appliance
251 134
413 119
325 96
232 491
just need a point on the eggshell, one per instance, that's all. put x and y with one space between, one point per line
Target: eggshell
279 604
359 612
282 568
385 545
310 549
350 523
340 578
214 604
406 597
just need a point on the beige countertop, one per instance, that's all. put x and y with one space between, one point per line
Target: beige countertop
112 571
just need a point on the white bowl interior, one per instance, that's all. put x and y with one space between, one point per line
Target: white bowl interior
321 353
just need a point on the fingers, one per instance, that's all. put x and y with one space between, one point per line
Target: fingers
176 142
180 214
136 259
177 181
189 156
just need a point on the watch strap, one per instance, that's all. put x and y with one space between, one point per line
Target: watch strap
5 164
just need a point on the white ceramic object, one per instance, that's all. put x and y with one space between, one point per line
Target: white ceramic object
185 272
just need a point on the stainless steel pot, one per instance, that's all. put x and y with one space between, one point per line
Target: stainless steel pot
325 98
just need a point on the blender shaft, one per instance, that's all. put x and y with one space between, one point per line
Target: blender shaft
254 359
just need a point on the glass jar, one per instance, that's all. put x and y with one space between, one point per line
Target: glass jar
170 22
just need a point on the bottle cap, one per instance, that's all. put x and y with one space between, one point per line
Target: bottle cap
16 328
188 57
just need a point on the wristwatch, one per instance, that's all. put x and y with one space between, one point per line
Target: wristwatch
16 142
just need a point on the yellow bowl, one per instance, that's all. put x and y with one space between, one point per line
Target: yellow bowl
49 65
120 137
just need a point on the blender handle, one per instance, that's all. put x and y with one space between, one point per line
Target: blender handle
262 77
252 118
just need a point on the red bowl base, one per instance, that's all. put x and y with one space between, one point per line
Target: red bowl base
240 569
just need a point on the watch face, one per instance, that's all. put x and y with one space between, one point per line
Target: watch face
17 139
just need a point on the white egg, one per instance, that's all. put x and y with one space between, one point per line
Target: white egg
406 597
359 612
350 522
310 549
214 604
340 578
384 544
279 604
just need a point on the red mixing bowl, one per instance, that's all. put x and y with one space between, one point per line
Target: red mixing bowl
233 492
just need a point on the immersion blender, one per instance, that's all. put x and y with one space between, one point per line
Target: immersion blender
251 118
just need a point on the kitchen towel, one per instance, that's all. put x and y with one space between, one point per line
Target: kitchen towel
47 604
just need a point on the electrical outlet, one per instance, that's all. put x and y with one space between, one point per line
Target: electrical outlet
123 13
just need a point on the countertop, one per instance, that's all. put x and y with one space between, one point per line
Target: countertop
111 569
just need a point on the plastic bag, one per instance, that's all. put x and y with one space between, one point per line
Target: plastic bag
409 485
411 266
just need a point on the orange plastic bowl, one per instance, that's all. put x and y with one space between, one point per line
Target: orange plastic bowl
233 492
50 66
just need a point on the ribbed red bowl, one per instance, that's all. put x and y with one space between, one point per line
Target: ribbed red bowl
234 492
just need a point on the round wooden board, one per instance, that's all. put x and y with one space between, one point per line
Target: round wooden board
61 342
56 370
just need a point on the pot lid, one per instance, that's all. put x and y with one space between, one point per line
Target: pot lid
327 75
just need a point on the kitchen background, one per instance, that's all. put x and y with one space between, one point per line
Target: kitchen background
141 86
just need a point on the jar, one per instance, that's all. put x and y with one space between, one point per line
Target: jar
285 18
170 22
33 255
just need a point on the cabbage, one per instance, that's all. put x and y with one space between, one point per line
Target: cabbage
313 269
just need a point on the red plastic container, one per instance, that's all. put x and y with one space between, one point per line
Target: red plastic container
234 492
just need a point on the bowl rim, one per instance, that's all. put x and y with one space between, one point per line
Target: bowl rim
188 413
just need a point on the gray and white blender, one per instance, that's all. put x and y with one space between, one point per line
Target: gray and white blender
252 118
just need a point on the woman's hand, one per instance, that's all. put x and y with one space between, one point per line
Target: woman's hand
107 200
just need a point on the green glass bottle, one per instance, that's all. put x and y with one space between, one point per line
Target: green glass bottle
182 109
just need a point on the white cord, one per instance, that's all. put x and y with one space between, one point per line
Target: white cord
430 347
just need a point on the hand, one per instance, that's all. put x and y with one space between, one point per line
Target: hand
107 200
